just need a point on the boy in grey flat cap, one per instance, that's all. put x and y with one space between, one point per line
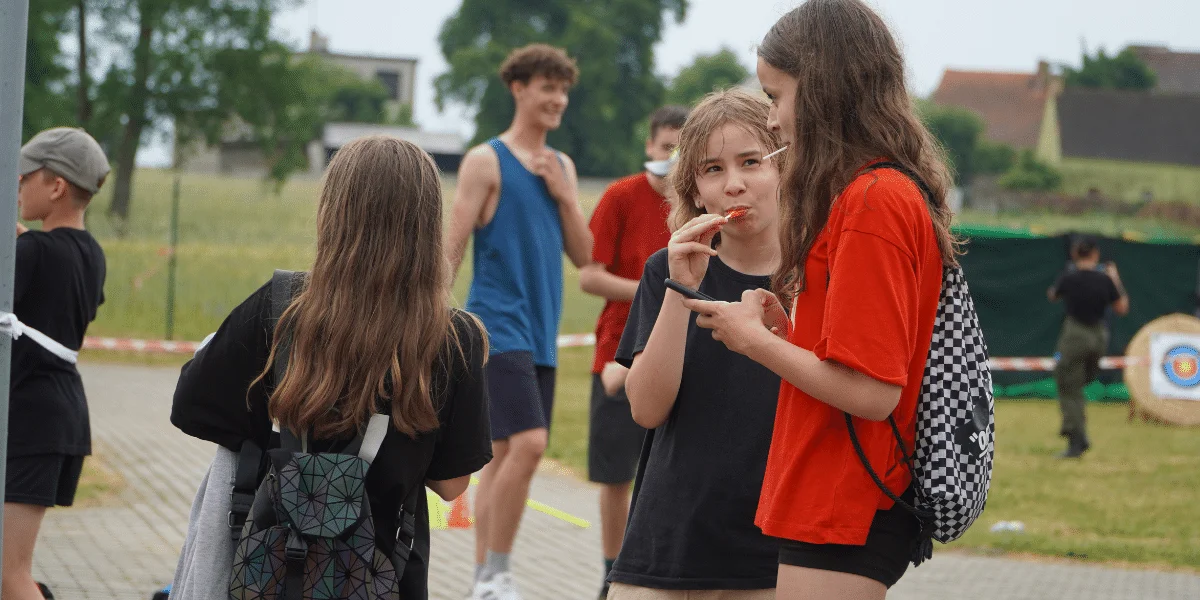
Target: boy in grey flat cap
59 284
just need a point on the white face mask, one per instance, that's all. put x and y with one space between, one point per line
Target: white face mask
661 168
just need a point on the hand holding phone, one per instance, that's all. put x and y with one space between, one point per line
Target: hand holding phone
688 292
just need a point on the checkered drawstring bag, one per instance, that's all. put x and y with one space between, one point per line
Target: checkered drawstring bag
956 429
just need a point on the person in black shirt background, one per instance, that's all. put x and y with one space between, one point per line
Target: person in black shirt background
58 286
1088 292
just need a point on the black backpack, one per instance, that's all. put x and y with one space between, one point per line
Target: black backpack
307 531
956 429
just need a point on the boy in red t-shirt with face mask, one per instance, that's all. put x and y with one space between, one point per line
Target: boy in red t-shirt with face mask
629 224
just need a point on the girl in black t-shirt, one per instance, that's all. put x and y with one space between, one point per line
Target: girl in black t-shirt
371 330
691 525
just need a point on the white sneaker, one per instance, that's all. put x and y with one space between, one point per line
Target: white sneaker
499 587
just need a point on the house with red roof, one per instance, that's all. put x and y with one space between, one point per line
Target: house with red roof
1011 105
1131 145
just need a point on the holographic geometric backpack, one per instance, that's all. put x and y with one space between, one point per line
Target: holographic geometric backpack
309 533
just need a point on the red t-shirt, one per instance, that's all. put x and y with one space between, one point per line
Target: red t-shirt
874 278
629 225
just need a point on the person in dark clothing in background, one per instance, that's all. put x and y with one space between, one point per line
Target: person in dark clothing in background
1087 292
58 285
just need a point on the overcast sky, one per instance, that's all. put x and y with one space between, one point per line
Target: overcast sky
934 34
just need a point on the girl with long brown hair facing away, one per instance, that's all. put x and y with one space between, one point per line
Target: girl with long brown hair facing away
691 531
372 330
863 251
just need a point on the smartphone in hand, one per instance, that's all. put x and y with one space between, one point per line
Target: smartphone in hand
687 291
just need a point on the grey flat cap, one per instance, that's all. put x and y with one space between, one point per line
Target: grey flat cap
69 152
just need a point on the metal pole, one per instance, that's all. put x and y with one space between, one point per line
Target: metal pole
14 18
171 260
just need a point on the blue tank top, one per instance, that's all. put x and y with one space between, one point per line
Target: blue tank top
516 288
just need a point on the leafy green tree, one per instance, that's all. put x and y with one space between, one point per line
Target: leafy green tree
1031 174
356 99
960 132
613 44
707 73
181 58
1125 71
47 101
993 158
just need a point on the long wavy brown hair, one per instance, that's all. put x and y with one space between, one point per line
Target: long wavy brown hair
852 105
374 314
716 110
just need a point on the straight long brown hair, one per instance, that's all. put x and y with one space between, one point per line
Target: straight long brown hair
714 111
374 314
852 105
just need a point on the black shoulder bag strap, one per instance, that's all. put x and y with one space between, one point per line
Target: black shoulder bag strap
406 528
923 549
250 458
282 289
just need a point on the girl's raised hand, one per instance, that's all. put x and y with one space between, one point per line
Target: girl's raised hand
690 248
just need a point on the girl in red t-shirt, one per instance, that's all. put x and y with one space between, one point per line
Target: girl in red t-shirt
863 252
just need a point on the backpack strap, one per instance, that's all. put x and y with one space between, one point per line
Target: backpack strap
245 480
925 191
406 528
250 457
282 289
923 549
377 429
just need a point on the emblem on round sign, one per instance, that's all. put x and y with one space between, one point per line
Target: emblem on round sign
1181 365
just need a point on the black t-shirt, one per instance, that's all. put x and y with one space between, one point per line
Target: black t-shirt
58 285
211 404
691 524
1086 294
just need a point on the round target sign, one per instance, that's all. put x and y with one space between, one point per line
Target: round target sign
1181 364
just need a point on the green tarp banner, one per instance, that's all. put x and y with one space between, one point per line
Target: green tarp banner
1009 274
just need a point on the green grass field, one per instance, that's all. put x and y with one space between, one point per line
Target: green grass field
1127 181
1132 499
234 232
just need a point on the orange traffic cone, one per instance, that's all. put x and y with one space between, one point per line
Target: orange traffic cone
459 514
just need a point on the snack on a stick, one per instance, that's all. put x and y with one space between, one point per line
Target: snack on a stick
737 213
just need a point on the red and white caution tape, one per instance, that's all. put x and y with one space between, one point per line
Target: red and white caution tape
574 340
569 340
1047 364
151 346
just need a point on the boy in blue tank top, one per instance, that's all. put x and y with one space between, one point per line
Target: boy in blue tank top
519 198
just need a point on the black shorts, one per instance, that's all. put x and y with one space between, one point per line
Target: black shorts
521 394
884 558
42 479
614 439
